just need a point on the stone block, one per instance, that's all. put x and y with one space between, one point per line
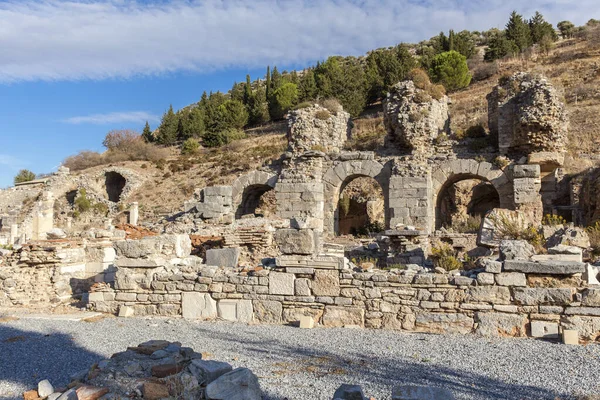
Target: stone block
307 322
591 297
515 250
326 283
435 322
239 384
491 266
198 306
295 314
268 311
349 392
591 275
542 296
126 311
491 324
545 267
335 317
95 296
544 329
296 241
228 257
207 371
570 336
526 171
511 279
281 283
485 278
302 287
235 310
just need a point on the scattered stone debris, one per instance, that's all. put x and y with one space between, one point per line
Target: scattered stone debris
156 369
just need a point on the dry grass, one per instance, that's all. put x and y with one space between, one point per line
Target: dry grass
368 134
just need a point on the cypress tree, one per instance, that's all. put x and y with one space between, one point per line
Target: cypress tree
247 91
307 87
167 133
268 83
147 133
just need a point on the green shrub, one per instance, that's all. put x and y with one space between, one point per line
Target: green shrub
82 203
24 175
451 70
469 225
444 257
216 139
190 146
100 208
419 78
332 105
323 115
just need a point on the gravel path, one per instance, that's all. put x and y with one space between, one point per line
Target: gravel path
300 364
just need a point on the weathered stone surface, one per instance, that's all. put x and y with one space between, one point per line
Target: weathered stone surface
511 279
349 392
294 314
443 323
335 317
546 296
45 388
302 287
591 297
235 310
154 391
516 250
55 233
196 305
281 283
163 370
239 384
326 283
317 127
296 241
207 371
413 392
545 267
491 266
485 278
228 257
571 236
587 326
87 392
489 294
492 324
268 311
544 329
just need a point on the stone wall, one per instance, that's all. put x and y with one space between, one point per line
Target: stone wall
317 128
511 298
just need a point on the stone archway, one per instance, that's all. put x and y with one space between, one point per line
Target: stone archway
451 172
248 189
344 172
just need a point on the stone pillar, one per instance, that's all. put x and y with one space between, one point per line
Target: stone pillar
134 213
14 234
43 219
527 184
411 197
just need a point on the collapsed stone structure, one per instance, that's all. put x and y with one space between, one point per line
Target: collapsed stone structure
292 267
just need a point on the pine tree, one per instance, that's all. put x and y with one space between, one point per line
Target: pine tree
518 31
147 134
566 28
540 28
167 132
307 87
451 70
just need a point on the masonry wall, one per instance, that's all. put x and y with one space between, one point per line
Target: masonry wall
497 302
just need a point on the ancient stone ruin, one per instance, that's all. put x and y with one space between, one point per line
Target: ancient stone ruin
266 246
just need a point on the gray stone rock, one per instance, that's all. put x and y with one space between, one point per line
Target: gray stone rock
54 396
296 241
45 388
572 236
70 394
545 267
412 392
516 250
56 233
491 324
542 296
223 257
281 283
239 384
511 279
207 371
349 392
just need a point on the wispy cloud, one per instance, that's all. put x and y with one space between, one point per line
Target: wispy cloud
92 39
113 118
13 163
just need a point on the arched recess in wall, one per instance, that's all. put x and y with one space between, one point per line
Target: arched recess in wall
115 183
253 194
476 187
361 208
339 176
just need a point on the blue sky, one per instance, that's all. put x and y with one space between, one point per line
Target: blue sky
70 71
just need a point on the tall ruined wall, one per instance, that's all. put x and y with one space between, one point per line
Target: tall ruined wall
317 128
526 113
511 298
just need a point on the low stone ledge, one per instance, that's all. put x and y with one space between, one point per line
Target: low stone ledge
545 267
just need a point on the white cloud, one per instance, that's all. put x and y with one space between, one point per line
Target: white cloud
113 118
87 39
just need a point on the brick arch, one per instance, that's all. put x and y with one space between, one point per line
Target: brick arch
340 175
252 179
454 171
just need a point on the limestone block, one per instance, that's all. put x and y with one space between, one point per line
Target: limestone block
95 296
435 322
109 255
545 296
239 384
591 297
267 311
544 329
301 286
491 266
511 279
492 324
196 305
545 267
485 278
307 322
126 311
235 310
228 257
570 337
296 241
526 171
295 314
326 283
207 371
489 294
591 275
335 316
281 283
515 250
